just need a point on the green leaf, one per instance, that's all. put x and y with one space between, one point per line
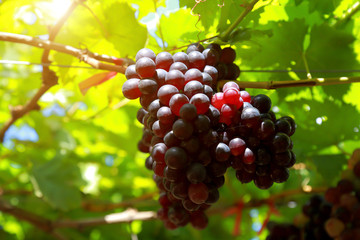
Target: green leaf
329 166
57 180
208 11
126 33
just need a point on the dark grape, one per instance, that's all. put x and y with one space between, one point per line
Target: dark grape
164 60
222 152
196 173
196 60
193 87
145 52
227 55
145 67
176 158
195 47
165 115
181 57
177 101
262 103
198 193
179 66
175 78
182 129
188 112
130 88
165 93
130 72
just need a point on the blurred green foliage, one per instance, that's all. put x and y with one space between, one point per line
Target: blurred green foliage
82 149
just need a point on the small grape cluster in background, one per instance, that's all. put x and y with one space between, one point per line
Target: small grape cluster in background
193 133
336 215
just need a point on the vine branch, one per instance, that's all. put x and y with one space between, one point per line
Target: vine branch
93 59
294 83
247 10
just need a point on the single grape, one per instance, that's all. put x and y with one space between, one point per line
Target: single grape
231 96
208 91
229 85
171 140
153 107
244 177
130 88
146 99
145 67
182 129
165 115
160 76
177 101
198 193
245 96
292 123
196 60
158 152
180 189
211 57
222 152
249 156
282 125
164 60
195 47
266 129
207 79
130 72
199 220
165 93
250 117
227 55
228 110
196 173
193 87
213 197
262 103
179 66
263 182
145 52
173 175
233 71
214 46
212 71
158 168
160 129
201 102
280 143
218 100
193 74
222 70
149 162
176 158
237 146
188 112
141 114
175 78
189 205
216 169
181 57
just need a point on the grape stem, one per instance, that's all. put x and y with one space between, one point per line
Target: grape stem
225 36
294 83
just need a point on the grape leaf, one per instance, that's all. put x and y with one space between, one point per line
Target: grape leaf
57 181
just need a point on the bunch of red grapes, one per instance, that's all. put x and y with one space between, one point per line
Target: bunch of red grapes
194 134
334 216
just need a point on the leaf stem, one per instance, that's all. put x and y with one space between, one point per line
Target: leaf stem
225 36
294 83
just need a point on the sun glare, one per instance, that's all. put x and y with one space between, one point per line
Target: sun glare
59 7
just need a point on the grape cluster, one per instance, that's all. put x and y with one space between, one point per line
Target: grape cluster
257 144
283 231
194 134
334 216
